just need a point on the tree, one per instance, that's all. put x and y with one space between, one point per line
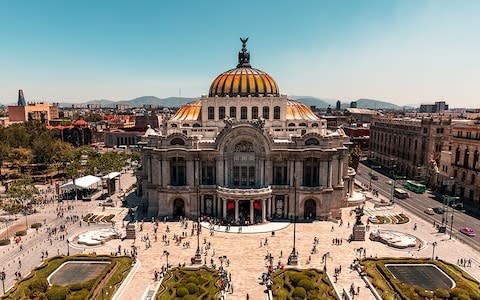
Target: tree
21 192
4 155
354 158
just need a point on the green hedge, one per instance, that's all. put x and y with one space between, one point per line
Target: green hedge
21 233
35 284
5 242
387 286
190 283
36 225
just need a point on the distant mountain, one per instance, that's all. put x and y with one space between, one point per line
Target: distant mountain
140 102
313 101
376 104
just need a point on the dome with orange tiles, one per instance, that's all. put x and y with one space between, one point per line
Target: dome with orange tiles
244 80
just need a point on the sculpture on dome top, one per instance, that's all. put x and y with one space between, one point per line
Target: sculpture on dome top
243 55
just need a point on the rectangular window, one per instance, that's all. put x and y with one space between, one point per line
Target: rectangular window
233 112
243 176
254 112
221 112
208 174
310 172
266 112
276 113
211 113
236 175
243 113
280 173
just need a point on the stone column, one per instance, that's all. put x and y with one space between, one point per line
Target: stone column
264 210
268 172
215 205
270 207
165 172
219 171
252 220
340 170
329 179
191 172
224 203
236 210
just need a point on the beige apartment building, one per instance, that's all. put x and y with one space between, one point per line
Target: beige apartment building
460 166
410 146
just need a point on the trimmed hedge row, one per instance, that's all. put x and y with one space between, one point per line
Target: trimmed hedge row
387 285
35 285
302 284
5 242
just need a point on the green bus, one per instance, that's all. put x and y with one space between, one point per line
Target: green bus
399 193
415 187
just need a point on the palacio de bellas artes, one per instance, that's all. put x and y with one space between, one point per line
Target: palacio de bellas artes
245 154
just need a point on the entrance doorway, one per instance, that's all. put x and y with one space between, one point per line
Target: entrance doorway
310 210
178 208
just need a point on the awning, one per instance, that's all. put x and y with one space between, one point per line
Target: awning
81 183
111 175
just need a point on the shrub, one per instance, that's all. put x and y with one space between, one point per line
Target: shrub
192 288
40 285
299 292
21 233
441 293
78 295
425 294
193 279
57 292
283 293
307 284
181 292
296 277
190 297
4 242
36 225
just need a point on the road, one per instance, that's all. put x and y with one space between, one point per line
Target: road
418 202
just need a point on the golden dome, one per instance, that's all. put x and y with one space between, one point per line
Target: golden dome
299 111
244 80
188 112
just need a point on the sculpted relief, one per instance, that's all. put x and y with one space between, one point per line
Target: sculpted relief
244 147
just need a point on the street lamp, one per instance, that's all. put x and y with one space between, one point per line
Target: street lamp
166 253
451 223
68 247
198 256
2 278
293 259
434 244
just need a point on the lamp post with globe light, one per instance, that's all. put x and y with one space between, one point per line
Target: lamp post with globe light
293 258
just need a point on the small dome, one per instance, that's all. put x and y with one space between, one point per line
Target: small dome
244 80
80 123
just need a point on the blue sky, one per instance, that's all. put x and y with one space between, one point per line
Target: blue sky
404 51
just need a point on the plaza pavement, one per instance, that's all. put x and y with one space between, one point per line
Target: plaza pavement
247 257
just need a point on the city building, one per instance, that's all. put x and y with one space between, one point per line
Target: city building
245 154
40 112
460 166
411 147
438 107
122 138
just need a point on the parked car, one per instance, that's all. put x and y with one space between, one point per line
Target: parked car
467 231
438 210
429 211
373 176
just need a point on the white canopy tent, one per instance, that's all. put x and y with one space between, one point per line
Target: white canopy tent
111 175
84 182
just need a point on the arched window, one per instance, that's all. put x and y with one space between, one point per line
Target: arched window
266 112
177 141
196 125
185 125
276 113
174 125
457 155
314 125
243 113
302 125
291 124
466 156
177 171
475 159
312 141
255 112
221 112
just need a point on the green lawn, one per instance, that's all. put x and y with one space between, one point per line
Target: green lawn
35 285
387 286
190 283
302 284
